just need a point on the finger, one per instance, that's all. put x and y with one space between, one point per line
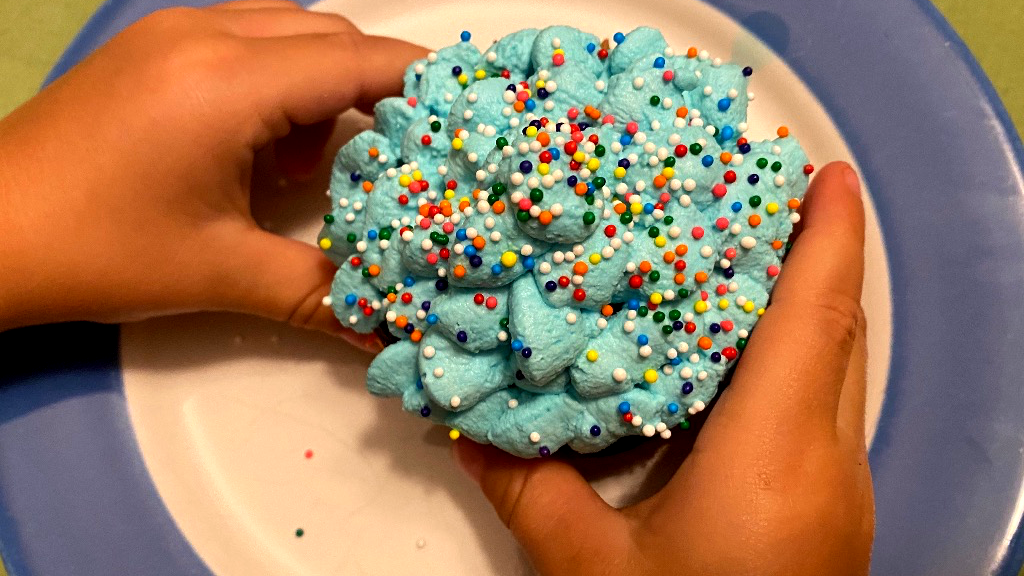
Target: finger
793 368
271 22
299 153
548 507
256 5
309 78
278 278
853 398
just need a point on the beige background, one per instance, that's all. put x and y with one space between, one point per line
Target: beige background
33 34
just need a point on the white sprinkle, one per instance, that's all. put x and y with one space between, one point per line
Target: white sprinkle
438 372
570 317
455 401
512 403
428 351
638 82
748 242
647 430
619 374
534 437
327 300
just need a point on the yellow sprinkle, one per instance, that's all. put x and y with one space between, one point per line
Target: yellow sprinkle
592 355
480 74
594 164
417 175
540 83
636 208
457 143
558 51
668 172
508 259
463 79
771 208
579 156
325 243
543 168
531 131
595 258
651 375
656 298
700 307
449 194
463 199
454 434
620 172
404 180
660 241
760 311
723 303
748 306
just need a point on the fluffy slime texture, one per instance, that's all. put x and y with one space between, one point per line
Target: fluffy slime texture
570 241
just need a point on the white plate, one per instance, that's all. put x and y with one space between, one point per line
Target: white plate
224 407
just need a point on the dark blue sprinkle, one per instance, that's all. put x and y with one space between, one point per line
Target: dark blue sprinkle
687 387
520 375
728 272
678 325
542 93
544 452
441 285
747 71
419 384
425 411
425 305
753 178
551 286
409 328
716 357
715 327
354 176
456 70
526 166
745 148
475 261
595 430
571 180
461 336
584 125
624 163
527 352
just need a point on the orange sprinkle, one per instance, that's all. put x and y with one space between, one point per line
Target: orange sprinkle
692 52
424 210
459 271
465 204
479 244
476 194
701 277
373 152
581 188
607 310
519 106
793 203
401 321
645 266
416 335
680 278
659 181
374 270
545 217
704 342
782 131
682 249
682 111
367 186
669 257
544 138
580 268
392 297
777 244
754 220
594 113
498 207
619 208
725 157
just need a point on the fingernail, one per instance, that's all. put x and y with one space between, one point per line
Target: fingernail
469 459
852 180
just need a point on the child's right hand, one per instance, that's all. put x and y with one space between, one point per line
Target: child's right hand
124 185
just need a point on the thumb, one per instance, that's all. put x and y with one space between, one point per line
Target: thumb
285 280
560 521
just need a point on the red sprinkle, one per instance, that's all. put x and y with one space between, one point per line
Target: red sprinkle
730 176
579 294
697 232
426 140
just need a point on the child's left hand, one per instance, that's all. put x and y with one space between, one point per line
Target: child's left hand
124 186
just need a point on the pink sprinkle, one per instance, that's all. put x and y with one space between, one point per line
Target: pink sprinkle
632 127
719 190
577 136
425 223
608 119
448 227
722 223
697 232
573 113
525 204
414 186
727 325
703 294
431 258
522 96
665 197
773 270
492 302
411 101
668 76
558 59
730 253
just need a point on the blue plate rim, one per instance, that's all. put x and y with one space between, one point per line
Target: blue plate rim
78 387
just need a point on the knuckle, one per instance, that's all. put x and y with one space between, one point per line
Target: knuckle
842 314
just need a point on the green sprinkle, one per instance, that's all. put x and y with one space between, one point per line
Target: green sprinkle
675 315
641 311
599 182
351 237
670 161
685 424
683 292
498 188
385 234
668 220
659 316
776 166
435 126
299 533
536 195
653 231
741 343
695 148
503 323
626 218
762 163
589 199
589 218
522 215
599 150
654 275
666 329
655 100
501 142
755 201
492 198
328 218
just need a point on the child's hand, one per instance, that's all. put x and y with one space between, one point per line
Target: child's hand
124 186
778 481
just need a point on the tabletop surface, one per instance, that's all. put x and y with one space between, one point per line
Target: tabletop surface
33 34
